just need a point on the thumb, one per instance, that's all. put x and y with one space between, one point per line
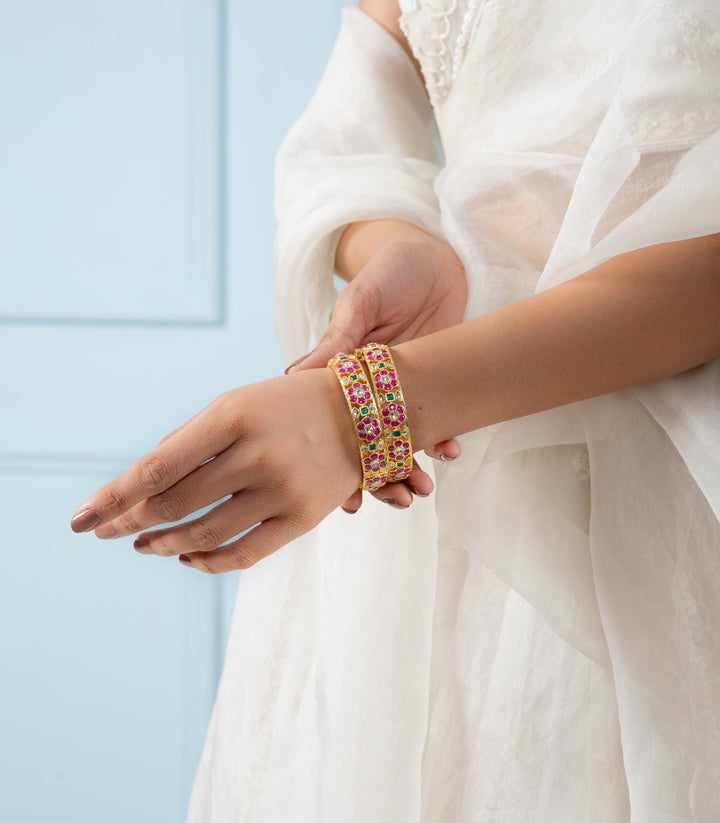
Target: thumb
331 343
349 325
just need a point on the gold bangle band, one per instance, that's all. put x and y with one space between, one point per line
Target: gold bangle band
368 427
391 406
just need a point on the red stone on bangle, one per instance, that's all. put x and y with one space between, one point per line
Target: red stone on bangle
391 404
368 428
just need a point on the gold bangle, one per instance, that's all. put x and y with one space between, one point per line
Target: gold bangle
368 428
391 404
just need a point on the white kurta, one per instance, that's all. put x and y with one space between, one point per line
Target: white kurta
538 642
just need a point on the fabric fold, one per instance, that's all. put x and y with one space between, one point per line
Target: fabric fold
539 642
365 148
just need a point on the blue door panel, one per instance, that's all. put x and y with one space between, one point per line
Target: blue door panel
137 145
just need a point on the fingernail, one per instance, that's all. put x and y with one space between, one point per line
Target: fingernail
183 558
85 520
445 458
349 511
297 362
391 501
107 532
417 492
142 545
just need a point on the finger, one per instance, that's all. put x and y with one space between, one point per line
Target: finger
210 482
419 481
353 503
266 538
206 533
397 495
333 341
295 363
445 451
210 434
356 313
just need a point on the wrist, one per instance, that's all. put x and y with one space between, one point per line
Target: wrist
437 383
420 398
341 419
361 241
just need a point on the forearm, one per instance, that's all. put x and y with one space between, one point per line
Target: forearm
645 315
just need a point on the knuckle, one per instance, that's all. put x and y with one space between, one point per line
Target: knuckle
129 523
402 253
227 423
162 547
170 505
338 335
242 559
286 488
259 463
156 472
204 536
230 426
203 565
368 297
298 522
114 500
284 485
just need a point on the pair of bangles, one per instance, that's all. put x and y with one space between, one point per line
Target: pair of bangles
378 411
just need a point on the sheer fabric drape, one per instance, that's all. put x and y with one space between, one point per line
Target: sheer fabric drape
539 642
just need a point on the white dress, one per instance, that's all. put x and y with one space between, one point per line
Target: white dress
539 641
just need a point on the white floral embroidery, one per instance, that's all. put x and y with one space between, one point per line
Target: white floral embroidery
439 32
688 48
699 43
675 128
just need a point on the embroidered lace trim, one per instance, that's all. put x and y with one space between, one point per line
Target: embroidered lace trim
439 32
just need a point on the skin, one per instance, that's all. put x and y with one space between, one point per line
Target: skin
404 283
253 434
283 451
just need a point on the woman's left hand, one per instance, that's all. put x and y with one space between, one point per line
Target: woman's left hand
284 453
404 284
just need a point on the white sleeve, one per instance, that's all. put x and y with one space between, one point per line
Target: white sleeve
366 147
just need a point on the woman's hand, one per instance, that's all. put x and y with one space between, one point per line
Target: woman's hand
283 450
404 284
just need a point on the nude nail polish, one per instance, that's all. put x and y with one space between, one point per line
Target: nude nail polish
142 545
85 520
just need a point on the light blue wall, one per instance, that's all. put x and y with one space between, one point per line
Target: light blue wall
137 141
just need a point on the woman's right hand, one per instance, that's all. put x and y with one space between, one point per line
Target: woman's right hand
404 284
275 457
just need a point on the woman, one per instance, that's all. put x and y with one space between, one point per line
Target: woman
541 645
